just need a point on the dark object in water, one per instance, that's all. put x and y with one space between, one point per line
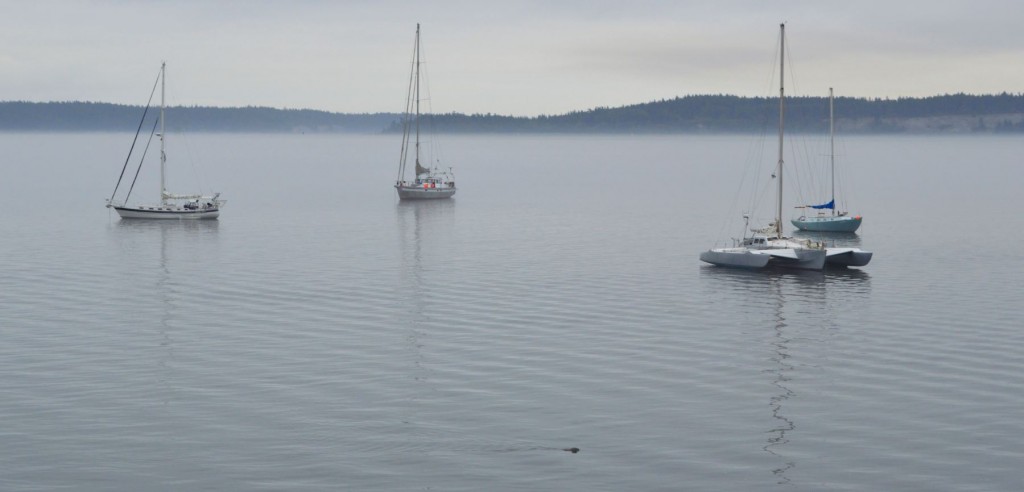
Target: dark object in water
572 450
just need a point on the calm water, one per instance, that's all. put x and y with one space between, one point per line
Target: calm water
323 336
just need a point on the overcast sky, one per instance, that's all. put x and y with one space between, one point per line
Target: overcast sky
512 57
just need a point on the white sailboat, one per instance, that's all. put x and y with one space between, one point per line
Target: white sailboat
172 205
429 182
825 221
767 246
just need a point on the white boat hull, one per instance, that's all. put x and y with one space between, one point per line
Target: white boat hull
804 259
167 213
847 257
420 193
735 258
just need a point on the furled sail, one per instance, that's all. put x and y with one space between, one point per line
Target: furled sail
830 205
420 169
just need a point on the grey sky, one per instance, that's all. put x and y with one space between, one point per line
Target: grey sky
515 57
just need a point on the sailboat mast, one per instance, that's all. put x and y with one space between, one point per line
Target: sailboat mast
782 121
163 155
417 95
832 145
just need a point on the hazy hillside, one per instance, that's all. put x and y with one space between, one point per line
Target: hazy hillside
90 116
953 113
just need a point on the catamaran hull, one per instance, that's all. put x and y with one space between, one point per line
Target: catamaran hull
735 259
804 259
847 257
174 214
418 193
828 224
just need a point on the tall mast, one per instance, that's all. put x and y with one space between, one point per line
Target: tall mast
782 98
163 155
417 97
832 146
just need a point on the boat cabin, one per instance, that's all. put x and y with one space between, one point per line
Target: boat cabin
756 241
431 183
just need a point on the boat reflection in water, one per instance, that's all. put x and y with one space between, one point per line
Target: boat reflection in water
168 258
794 314
423 229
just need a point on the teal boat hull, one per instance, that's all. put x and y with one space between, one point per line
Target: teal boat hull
843 223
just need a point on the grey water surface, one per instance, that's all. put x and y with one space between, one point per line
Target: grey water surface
323 336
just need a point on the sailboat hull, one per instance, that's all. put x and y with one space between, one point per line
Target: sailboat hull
419 193
828 224
166 213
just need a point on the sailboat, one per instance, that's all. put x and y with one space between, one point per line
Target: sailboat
172 205
824 221
767 246
429 182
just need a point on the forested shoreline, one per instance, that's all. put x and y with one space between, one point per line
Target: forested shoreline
951 113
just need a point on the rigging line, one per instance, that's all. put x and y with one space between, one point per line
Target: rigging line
799 175
435 156
802 175
405 119
752 161
404 156
755 156
844 183
757 195
417 99
790 66
755 165
137 130
768 115
144 152
756 162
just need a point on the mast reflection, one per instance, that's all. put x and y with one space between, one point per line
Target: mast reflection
176 242
798 307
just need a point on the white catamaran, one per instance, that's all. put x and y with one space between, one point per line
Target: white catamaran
171 206
430 182
824 221
767 246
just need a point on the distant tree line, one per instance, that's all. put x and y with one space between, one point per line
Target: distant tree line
725 113
92 116
688 114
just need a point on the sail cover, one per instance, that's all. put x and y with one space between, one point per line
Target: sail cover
829 205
